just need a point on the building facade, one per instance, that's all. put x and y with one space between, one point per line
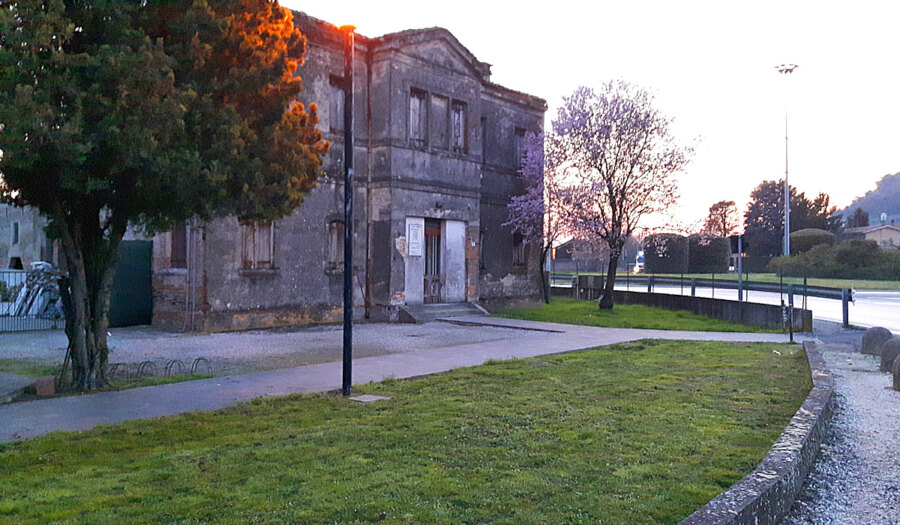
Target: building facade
23 239
437 149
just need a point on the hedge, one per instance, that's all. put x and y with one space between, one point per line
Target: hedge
708 254
856 259
666 253
804 240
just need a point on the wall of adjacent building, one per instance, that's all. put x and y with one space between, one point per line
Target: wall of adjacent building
32 244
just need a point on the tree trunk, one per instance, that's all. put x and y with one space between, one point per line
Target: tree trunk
545 284
91 268
606 302
77 332
100 309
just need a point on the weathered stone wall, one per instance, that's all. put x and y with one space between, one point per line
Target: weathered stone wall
180 296
500 283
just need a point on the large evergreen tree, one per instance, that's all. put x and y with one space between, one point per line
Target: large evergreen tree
145 114
764 219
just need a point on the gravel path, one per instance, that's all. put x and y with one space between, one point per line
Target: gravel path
252 351
857 477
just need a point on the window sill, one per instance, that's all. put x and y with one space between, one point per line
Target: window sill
172 271
258 272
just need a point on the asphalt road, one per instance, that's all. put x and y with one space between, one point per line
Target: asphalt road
871 307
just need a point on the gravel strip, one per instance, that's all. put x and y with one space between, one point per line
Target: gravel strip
251 351
857 477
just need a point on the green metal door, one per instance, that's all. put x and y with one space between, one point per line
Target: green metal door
132 291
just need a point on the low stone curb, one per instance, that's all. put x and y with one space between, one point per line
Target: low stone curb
766 495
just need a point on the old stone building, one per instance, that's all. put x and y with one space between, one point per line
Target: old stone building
22 238
437 147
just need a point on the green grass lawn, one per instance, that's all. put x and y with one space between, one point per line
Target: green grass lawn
29 367
858 284
642 432
577 311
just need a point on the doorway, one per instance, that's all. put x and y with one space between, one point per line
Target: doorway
433 283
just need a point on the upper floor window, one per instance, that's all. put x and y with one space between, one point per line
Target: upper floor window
257 245
336 106
484 139
418 117
458 126
178 246
440 123
15 233
520 148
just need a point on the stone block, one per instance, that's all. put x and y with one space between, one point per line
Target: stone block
45 387
896 373
890 349
873 339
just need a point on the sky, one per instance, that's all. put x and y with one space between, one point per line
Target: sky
711 66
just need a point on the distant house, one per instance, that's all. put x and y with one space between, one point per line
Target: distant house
886 235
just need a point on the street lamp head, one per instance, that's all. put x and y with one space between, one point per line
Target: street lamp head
786 68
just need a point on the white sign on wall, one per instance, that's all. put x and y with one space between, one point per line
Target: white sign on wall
415 239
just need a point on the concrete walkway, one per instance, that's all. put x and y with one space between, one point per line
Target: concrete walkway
34 418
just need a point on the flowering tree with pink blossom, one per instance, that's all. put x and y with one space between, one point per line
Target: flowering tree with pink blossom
620 157
537 214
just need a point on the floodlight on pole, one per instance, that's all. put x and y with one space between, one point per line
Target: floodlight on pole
347 378
786 69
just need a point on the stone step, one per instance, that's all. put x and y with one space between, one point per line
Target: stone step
432 312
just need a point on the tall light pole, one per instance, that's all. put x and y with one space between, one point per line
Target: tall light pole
348 208
786 69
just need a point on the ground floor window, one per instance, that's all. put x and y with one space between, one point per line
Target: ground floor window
178 246
335 245
257 245
518 255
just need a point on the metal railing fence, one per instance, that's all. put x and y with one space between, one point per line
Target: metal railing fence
28 303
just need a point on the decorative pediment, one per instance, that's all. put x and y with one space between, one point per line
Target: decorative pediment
438 46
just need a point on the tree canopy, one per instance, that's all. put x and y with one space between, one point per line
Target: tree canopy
723 219
764 219
118 114
623 157
539 213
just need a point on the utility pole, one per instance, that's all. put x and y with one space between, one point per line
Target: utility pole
348 209
786 69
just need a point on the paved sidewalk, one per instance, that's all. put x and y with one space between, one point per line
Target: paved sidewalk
74 413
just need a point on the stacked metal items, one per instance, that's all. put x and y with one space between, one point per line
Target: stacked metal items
39 297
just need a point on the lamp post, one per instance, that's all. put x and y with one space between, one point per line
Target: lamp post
786 69
348 208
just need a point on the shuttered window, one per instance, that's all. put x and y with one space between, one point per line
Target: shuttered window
458 126
178 247
418 118
257 245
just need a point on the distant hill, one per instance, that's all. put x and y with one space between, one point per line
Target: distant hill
884 198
